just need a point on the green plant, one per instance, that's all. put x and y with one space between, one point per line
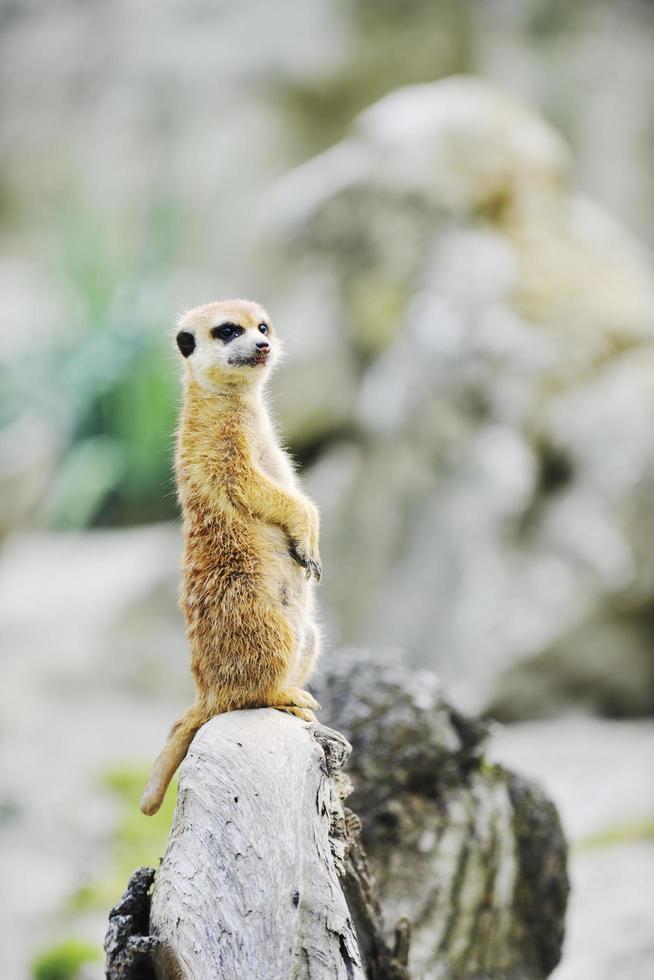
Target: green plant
106 385
137 840
64 960
621 833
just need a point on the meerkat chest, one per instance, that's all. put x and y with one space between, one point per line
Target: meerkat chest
271 458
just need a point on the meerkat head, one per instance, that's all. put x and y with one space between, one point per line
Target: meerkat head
228 342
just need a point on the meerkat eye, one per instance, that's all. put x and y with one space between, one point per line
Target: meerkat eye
226 331
185 342
263 328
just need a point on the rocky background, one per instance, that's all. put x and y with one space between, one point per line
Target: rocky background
447 208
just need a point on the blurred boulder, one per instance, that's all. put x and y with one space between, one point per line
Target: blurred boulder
605 666
28 451
484 465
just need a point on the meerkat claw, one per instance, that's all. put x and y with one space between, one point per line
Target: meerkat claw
295 697
310 565
305 714
297 557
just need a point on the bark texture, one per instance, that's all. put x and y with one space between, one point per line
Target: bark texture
266 876
128 945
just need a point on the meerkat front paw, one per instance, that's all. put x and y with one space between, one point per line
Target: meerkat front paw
305 714
304 534
311 564
296 701
294 697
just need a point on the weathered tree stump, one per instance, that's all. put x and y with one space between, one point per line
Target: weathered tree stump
265 875
259 856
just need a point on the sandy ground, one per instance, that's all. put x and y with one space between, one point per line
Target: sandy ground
85 621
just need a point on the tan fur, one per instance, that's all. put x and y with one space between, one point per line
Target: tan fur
250 539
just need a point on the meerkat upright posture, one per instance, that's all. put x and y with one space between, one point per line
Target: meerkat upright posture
250 535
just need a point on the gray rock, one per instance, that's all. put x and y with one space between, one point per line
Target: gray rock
470 854
605 666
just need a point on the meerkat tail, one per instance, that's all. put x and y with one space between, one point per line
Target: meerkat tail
171 756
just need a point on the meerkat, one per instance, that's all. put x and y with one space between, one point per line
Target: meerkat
250 555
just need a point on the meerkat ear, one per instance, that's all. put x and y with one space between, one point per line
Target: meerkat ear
185 342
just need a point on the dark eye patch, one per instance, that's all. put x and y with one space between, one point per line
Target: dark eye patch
226 332
185 342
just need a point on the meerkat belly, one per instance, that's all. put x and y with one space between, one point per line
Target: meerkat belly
285 580
220 565
231 564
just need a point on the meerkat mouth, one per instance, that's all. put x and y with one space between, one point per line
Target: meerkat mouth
254 360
